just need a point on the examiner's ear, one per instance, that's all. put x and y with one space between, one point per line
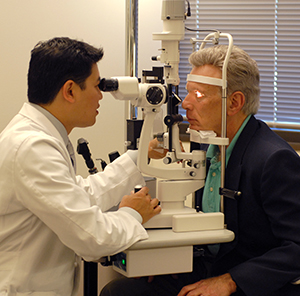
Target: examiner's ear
68 91
236 102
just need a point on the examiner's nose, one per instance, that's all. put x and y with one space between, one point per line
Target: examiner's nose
101 95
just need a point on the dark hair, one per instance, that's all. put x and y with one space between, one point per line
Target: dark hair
56 61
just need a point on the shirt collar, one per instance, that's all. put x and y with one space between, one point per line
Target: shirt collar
213 150
58 125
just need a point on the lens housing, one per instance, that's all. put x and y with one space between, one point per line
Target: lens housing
109 84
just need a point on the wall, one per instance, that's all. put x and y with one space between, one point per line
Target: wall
99 22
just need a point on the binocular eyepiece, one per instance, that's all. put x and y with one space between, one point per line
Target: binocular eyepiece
108 84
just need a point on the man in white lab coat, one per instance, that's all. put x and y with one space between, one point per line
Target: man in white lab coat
49 217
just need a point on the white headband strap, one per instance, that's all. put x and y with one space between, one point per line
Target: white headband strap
205 79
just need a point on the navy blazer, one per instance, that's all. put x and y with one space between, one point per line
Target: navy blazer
265 255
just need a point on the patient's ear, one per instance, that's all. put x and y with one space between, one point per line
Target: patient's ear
68 91
236 101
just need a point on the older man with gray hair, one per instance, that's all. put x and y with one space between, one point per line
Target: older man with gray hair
263 258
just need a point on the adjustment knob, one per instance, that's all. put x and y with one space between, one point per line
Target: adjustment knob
197 165
193 174
167 160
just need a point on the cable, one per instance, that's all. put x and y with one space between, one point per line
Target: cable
198 30
189 9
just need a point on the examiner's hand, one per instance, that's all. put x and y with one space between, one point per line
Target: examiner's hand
156 149
141 202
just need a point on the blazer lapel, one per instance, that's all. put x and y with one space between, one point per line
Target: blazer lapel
232 182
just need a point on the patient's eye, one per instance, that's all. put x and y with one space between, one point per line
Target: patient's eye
199 94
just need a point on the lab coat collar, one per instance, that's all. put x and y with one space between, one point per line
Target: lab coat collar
39 118
58 125
47 127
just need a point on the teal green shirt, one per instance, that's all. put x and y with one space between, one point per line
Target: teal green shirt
211 197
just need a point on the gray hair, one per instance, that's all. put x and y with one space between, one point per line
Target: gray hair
242 72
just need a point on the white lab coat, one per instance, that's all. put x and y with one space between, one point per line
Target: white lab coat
49 217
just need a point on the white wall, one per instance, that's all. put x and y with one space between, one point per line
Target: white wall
149 22
99 22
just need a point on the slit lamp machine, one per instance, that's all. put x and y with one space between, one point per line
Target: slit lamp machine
174 231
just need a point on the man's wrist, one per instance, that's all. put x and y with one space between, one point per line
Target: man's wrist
135 214
231 283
